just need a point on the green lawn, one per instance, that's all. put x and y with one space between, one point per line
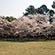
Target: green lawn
27 48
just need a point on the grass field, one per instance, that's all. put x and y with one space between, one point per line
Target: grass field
27 48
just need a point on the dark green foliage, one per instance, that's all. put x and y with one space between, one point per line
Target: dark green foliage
40 10
51 12
53 6
30 10
50 20
10 18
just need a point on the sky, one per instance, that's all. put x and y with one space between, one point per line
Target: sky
17 7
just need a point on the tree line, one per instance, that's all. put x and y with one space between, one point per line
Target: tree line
43 9
10 19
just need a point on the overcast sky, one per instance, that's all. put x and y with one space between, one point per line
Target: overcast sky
17 7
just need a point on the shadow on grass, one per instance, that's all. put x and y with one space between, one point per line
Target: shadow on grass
33 40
